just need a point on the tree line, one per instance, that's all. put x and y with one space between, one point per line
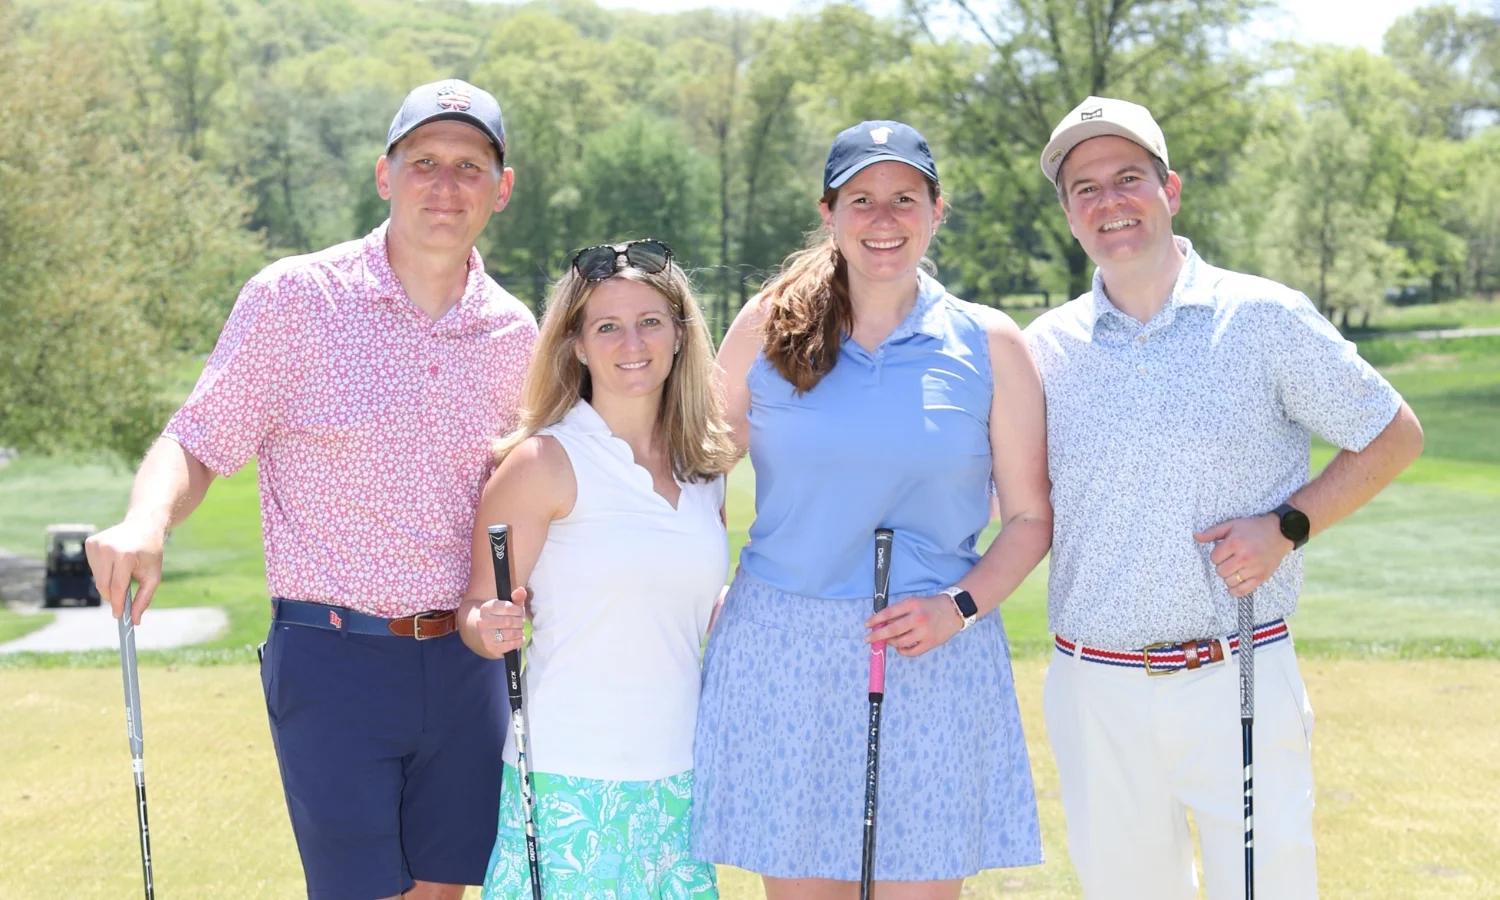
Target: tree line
156 152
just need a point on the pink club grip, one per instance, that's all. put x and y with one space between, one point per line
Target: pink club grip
877 667
883 541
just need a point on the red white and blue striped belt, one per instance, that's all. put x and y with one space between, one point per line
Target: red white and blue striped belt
1164 659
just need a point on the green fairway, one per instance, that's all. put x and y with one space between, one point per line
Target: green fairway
1472 313
14 625
1399 815
1412 573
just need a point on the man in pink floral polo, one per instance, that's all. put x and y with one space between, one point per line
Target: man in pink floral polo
367 379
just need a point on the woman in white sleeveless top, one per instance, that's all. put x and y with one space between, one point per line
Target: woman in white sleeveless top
613 488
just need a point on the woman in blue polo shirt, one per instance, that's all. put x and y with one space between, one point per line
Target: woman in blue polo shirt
868 398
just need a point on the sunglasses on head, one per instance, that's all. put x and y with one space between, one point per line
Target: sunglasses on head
603 261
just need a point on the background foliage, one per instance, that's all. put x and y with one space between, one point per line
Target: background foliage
156 152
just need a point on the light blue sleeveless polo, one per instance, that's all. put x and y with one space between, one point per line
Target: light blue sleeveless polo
897 438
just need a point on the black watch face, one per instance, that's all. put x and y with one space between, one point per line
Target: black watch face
966 604
1294 525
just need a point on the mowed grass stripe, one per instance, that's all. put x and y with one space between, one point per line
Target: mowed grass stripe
1408 783
1411 574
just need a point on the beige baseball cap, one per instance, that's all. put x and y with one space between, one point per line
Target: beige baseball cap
1096 117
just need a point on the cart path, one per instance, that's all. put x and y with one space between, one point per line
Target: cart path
93 627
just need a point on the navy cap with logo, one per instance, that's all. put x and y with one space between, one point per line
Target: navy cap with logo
449 100
868 143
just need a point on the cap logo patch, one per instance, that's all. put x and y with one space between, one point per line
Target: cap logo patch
453 96
1094 113
1056 155
880 135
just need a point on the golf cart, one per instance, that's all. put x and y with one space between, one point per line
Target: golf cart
68 574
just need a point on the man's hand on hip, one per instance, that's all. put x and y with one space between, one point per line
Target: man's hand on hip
1248 551
131 549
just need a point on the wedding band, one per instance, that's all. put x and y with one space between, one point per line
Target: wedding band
1238 579
499 635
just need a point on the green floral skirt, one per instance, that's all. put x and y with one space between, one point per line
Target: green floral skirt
600 840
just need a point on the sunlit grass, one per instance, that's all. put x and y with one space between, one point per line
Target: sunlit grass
1407 786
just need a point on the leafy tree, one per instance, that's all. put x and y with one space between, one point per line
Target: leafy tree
1030 61
1480 205
188 43
642 179
1325 235
116 262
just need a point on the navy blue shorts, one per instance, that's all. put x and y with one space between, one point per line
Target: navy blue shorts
390 757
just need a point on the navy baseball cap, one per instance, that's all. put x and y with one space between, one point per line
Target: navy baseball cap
449 100
868 143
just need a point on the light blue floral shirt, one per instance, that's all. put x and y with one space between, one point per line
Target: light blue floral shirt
1159 430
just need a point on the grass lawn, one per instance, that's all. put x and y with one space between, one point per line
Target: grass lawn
15 625
1472 313
1399 815
1408 777
1411 573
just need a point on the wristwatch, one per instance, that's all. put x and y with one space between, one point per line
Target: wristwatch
1294 524
968 610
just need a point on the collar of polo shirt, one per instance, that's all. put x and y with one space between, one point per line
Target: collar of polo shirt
1185 292
387 286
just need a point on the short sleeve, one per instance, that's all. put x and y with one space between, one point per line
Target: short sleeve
245 384
522 336
1324 384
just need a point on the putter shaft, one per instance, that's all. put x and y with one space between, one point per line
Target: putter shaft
131 675
1246 611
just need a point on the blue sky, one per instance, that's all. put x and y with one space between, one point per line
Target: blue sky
1319 21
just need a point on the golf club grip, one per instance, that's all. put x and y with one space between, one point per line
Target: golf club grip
883 538
132 681
500 556
1247 656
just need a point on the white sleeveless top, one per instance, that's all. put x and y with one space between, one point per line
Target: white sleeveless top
623 592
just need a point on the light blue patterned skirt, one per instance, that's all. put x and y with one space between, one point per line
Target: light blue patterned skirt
779 758
600 840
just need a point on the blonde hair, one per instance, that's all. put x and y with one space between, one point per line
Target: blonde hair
691 419
808 307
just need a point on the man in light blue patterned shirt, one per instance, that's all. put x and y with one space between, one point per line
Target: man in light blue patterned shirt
1181 400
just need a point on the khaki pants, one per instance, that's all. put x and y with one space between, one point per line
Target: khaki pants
1136 753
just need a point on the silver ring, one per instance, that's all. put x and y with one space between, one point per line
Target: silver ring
499 635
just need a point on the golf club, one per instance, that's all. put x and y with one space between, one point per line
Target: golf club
133 730
500 551
1247 724
883 538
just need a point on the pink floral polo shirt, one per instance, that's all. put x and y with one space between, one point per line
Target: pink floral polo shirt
371 423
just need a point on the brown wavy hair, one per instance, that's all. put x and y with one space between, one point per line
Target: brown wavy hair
808 306
691 417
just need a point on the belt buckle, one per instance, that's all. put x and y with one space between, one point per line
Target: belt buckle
416 625
1146 659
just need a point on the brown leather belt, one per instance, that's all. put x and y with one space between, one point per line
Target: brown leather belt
424 625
